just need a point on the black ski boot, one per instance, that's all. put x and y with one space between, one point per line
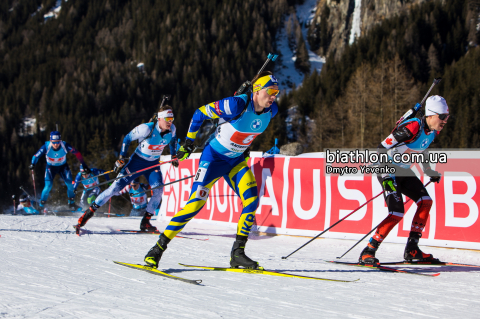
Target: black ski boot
72 205
89 212
152 258
367 257
145 223
412 252
238 257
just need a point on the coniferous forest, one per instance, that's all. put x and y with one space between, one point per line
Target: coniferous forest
79 71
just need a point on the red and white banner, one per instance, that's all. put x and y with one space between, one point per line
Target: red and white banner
296 197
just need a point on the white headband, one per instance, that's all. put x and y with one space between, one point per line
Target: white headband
166 113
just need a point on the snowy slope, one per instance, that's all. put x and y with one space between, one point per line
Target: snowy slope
48 272
286 71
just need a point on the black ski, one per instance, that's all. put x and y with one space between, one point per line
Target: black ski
380 267
158 272
428 263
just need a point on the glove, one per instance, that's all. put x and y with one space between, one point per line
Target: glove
434 175
32 166
184 151
246 154
87 170
119 164
75 191
389 184
175 163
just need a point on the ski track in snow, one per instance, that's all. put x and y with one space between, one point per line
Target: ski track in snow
48 272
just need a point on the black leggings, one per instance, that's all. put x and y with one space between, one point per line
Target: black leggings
407 184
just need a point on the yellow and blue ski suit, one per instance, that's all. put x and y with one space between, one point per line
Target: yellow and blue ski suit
223 157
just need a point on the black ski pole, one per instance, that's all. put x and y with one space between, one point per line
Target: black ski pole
178 180
413 111
323 232
14 206
244 87
139 171
373 229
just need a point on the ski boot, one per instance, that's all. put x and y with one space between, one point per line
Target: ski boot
85 217
72 205
367 257
238 257
412 252
152 258
145 223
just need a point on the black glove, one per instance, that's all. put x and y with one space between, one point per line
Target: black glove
119 164
32 166
185 151
175 163
434 175
87 170
389 184
246 154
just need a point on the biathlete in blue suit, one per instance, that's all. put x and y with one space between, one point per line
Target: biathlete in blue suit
27 206
88 179
55 152
138 197
152 138
246 116
411 136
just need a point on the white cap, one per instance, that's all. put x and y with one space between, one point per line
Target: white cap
436 105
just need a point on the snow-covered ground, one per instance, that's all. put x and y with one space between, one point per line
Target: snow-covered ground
48 272
286 71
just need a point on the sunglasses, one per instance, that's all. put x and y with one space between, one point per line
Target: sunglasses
442 117
168 119
57 142
134 184
273 92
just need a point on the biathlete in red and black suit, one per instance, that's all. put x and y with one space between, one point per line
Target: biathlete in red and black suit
411 136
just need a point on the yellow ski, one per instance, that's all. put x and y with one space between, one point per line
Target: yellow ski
264 272
158 272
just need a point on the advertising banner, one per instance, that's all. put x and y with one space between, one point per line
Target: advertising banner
298 197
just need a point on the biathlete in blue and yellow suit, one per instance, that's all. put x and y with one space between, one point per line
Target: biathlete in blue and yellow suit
246 117
55 152
153 137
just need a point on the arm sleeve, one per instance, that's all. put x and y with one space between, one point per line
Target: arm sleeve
125 190
173 142
227 108
402 134
138 133
40 152
77 154
77 181
426 165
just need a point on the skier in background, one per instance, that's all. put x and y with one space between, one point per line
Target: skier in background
86 177
152 138
55 152
26 206
413 135
246 116
138 196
